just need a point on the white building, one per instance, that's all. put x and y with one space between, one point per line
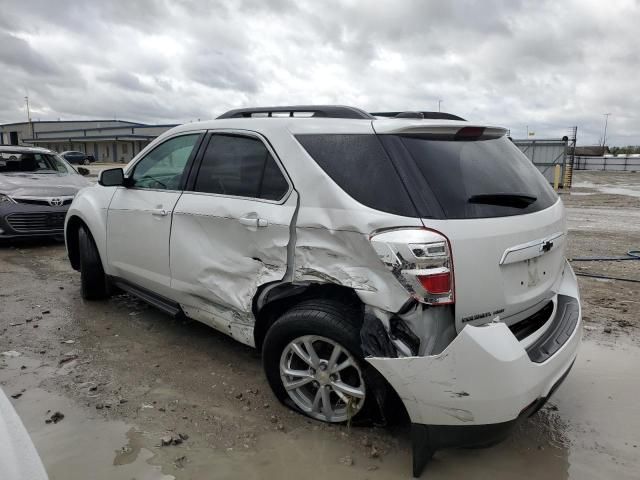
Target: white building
106 140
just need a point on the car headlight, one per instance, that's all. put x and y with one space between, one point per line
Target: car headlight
4 199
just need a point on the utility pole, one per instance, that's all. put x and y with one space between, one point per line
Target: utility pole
26 99
439 102
606 121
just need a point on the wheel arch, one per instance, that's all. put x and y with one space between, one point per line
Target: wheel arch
74 223
89 209
275 300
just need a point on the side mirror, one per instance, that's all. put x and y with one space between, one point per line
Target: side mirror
83 171
112 177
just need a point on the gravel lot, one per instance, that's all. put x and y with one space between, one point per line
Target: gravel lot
128 379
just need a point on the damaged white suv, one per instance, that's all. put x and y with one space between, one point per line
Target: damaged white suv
370 257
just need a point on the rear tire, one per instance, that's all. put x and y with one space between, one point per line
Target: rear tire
324 324
93 281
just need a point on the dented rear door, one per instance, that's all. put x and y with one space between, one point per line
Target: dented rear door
231 231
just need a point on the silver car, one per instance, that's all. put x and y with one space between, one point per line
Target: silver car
36 189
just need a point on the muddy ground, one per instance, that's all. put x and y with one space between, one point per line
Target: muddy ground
125 375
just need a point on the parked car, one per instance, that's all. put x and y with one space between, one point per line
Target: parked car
36 189
78 158
18 456
369 258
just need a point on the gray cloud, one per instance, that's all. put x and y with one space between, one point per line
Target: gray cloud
124 80
17 53
543 64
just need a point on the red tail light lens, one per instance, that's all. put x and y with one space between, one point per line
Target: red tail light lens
438 283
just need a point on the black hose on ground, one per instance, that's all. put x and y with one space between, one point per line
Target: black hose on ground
631 255
606 277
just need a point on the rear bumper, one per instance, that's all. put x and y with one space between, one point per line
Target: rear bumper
486 376
485 381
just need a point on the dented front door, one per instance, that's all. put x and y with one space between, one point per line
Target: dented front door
226 238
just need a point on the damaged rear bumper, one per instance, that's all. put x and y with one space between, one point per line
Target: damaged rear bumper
485 379
484 376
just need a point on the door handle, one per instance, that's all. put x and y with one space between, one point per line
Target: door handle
160 212
254 221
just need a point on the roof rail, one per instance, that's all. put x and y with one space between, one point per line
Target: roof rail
429 115
326 111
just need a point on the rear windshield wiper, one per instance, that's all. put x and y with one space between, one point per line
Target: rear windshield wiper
515 200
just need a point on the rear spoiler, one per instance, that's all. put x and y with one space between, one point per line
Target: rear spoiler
451 131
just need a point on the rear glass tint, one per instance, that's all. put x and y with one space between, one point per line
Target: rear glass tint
472 179
362 168
417 176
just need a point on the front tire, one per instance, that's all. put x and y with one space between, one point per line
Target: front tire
313 361
93 282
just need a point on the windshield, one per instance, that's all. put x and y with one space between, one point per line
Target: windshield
21 162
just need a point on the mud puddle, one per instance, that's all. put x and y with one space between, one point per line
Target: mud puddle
81 445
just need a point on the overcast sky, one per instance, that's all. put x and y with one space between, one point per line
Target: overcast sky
547 65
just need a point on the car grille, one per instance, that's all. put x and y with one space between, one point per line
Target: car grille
34 201
36 221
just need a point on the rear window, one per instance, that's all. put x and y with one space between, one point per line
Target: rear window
419 176
470 179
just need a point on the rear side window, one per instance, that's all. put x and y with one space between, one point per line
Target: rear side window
240 166
362 168
470 179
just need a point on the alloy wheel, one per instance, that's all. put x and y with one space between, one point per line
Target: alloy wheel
322 378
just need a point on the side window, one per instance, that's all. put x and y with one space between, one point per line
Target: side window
162 167
361 167
240 166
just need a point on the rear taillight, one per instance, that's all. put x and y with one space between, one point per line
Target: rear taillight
438 283
421 260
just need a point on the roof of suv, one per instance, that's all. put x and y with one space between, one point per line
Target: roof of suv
336 119
331 125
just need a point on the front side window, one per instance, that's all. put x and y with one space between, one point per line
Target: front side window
240 166
162 168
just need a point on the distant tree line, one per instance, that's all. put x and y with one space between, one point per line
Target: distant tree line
628 150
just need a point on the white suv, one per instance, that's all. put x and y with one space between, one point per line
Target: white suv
369 257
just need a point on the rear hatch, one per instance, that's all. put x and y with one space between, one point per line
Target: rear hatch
505 224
